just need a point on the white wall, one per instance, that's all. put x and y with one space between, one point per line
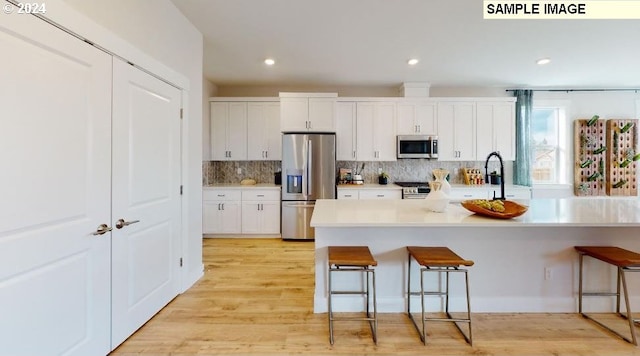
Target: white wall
160 31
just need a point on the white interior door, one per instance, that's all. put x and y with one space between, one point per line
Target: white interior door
146 192
55 144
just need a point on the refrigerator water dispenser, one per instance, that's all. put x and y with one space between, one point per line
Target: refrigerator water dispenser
294 181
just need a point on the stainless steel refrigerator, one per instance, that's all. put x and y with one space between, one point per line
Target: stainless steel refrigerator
308 174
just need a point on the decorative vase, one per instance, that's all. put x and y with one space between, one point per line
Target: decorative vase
382 180
441 177
436 200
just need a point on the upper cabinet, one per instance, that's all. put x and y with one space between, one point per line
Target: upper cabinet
375 131
457 131
264 140
228 131
496 129
417 118
346 131
313 112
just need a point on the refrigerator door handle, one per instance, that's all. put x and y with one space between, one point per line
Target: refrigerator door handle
305 167
309 171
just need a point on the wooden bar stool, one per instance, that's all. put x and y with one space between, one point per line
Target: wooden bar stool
439 260
625 261
354 259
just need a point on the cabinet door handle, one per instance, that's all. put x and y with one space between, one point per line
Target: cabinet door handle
347 195
221 195
266 154
260 195
419 128
222 205
354 154
467 195
380 195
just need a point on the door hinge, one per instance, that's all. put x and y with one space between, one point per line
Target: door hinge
181 112
180 261
181 190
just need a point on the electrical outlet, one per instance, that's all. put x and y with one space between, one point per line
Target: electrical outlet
547 273
239 170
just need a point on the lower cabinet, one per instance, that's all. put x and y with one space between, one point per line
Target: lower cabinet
260 211
364 193
241 211
221 211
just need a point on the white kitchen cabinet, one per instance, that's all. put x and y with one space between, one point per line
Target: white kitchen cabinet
346 131
221 211
456 131
375 128
496 129
416 118
301 112
348 194
228 131
380 194
260 211
369 193
264 140
460 194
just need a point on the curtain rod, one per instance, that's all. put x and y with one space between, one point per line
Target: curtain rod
576 90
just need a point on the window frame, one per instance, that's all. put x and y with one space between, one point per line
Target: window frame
565 142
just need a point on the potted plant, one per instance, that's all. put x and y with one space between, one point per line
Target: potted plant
383 178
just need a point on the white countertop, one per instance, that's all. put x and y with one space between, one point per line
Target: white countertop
596 212
240 186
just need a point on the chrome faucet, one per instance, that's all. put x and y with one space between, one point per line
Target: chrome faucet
486 174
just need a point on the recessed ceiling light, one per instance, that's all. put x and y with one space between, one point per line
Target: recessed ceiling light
412 61
543 61
269 61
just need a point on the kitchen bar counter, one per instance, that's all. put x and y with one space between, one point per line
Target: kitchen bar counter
526 264
413 213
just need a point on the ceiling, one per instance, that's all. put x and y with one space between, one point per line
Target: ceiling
368 43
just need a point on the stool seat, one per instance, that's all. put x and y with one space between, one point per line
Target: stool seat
613 255
356 256
437 256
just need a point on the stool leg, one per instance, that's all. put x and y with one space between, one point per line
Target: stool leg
424 330
446 290
618 291
330 311
466 279
409 284
626 301
374 330
580 284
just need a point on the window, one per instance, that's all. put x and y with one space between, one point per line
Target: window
550 138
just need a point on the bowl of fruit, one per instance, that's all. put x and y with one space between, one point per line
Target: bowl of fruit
500 209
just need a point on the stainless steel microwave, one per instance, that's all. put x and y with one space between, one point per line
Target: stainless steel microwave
417 146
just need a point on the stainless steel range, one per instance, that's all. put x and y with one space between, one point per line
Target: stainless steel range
414 190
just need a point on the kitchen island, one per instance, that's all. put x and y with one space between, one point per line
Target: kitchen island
524 264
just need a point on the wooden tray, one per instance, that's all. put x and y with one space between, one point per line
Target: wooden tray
511 210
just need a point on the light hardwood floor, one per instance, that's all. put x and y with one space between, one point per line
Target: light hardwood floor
256 298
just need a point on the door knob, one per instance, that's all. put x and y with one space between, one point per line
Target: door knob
102 229
121 223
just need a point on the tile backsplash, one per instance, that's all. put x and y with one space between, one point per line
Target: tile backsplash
400 170
419 170
227 171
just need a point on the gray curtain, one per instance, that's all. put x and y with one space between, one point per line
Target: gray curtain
522 165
